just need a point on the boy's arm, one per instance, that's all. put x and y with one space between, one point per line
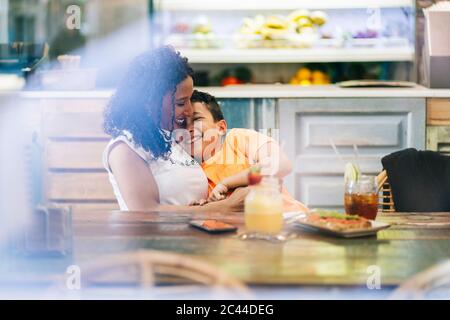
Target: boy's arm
229 183
238 180
270 158
273 160
265 152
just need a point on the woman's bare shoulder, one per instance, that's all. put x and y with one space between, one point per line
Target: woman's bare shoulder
122 153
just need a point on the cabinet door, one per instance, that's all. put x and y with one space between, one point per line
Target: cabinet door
376 126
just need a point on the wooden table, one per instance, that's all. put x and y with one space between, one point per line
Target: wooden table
414 242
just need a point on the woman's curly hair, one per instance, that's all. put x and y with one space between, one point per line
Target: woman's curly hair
136 106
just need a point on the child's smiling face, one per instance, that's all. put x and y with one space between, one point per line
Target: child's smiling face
205 132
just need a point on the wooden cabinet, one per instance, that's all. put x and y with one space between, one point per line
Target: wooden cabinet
377 126
438 139
438 112
73 140
438 125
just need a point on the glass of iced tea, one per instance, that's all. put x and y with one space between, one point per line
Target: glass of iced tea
361 197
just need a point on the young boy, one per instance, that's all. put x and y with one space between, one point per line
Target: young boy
226 158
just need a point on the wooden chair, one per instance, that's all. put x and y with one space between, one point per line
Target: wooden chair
433 283
385 191
177 274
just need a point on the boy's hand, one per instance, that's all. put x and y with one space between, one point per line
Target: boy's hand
198 202
218 193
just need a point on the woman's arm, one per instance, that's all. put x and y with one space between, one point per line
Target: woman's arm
135 180
140 191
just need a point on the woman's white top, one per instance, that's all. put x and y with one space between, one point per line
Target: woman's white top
180 179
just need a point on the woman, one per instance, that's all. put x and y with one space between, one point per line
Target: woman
147 168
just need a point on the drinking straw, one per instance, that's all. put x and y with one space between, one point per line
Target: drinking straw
355 151
336 151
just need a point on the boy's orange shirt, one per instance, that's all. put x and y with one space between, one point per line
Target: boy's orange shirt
237 154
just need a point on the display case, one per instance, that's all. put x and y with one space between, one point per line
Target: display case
288 32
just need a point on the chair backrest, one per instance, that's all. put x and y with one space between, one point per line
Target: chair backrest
385 191
149 268
433 283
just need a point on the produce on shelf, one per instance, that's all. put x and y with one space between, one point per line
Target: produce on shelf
230 80
298 29
319 18
252 26
320 77
275 27
366 34
304 23
197 34
204 41
306 27
298 15
235 75
203 35
300 19
181 28
202 25
305 77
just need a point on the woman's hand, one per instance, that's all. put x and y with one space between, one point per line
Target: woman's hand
234 203
218 193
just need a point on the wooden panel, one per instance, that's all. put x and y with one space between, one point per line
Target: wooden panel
74 125
75 154
444 147
438 139
362 129
79 186
78 118
78 207
330 164
73 105
321 192
438 112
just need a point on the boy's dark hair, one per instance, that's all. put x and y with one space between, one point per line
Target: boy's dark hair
210 102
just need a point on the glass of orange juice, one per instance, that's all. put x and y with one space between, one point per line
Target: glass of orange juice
264 209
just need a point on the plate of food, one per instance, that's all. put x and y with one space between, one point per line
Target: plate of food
340 224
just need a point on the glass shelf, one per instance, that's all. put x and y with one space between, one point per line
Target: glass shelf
214 5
